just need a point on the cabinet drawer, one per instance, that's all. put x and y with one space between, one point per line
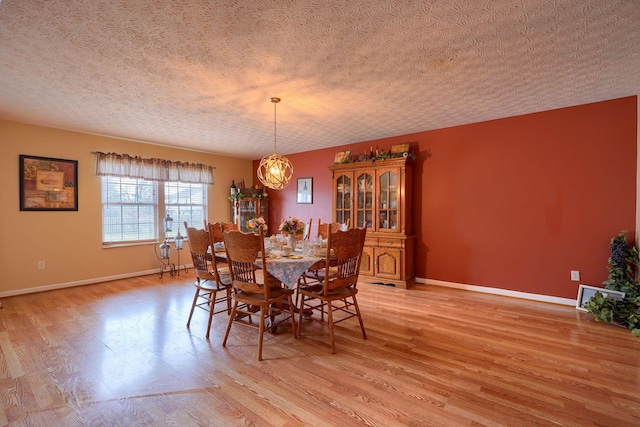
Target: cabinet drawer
390 242
370 241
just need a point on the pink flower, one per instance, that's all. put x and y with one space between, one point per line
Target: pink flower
256 224
292 225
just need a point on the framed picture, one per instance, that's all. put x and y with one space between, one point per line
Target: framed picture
342 157
586 292
305 190
400 148
48 184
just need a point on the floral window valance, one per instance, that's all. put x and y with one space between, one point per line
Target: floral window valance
112 164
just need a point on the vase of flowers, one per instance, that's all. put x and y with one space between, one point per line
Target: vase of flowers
256 225
292 226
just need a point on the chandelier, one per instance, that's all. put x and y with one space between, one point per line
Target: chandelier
275 171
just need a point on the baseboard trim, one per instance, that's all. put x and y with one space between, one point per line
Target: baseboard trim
498 291
76 283
473 288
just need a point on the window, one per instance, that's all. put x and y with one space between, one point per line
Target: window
133 209
129 210
185 202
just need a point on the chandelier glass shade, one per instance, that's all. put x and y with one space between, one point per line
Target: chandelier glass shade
275 171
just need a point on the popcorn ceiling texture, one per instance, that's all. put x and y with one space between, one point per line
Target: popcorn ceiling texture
199 74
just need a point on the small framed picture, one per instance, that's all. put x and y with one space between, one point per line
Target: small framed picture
305 190
342 157
586 292
48 184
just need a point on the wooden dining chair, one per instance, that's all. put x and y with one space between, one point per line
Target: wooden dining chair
316 272
229 226
211 279
323 228
255 287
216 243
337 292
215 232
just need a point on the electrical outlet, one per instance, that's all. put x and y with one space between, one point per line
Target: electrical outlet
575 275
40 265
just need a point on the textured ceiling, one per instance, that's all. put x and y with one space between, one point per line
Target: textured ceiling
199 74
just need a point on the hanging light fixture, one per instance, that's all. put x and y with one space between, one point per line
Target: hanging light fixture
275 171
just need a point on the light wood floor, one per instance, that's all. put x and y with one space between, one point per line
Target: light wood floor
119 354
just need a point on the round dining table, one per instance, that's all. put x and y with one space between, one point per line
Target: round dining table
288 269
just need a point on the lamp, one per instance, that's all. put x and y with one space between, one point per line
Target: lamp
165 249
275 171
168 223
179 240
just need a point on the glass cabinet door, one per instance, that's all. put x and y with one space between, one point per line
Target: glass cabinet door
364 200
262 210
250 208
343 199
247 212
388 201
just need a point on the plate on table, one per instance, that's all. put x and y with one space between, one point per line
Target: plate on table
293 256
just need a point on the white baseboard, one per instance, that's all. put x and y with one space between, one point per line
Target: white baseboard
498 291
473 288
76 283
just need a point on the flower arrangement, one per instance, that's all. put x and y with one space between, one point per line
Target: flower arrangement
293 225
257 224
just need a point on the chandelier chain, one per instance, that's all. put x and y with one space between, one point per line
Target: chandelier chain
275 101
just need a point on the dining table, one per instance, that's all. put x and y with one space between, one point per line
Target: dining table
287 269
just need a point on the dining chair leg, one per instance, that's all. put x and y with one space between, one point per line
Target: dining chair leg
212 305
231 317
261 334
229 301
193 306
355 303
331 336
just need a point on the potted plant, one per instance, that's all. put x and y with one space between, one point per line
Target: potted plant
623 264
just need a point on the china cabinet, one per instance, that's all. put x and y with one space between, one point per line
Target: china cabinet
242 210
377 195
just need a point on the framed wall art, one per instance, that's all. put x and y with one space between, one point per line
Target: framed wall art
342 157
305 190
48 184
586 292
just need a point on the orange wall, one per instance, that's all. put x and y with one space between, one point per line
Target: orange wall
515 203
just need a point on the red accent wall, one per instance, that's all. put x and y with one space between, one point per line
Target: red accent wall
515 203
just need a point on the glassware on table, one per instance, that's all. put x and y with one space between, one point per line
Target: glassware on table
307 248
